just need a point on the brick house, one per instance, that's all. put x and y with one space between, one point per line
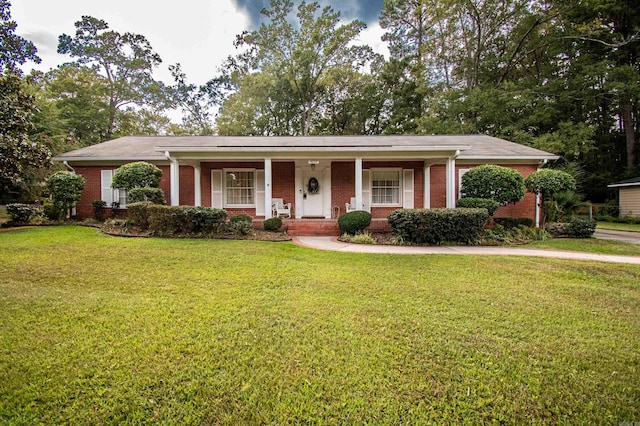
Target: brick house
321 176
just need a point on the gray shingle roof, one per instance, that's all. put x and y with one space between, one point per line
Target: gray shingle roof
150 148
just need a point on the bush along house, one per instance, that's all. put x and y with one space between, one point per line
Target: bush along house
303 179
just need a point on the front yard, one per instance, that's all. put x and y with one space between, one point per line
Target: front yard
97 329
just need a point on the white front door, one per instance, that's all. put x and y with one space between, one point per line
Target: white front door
313 188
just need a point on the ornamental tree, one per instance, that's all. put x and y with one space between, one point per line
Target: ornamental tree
497 183
547 182
65 188
139 174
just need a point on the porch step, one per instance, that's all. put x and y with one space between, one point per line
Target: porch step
321 227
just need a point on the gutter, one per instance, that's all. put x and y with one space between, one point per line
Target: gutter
71 169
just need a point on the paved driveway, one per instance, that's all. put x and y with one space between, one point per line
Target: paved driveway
624 236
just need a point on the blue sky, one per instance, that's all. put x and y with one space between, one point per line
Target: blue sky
197 33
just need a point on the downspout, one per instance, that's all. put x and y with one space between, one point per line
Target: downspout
538 198
71 169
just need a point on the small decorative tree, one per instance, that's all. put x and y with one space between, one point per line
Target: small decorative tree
497 183
65 189
136 175
547 182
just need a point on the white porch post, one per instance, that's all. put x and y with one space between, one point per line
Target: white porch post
358 193
538 209
450 182
267 188
426 173
174 170
197 190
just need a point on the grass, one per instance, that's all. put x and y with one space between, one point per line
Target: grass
589 245
619 226
97 329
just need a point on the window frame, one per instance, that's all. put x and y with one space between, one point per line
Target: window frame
400 176
226 202
116 193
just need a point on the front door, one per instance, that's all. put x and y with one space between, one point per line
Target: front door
312 192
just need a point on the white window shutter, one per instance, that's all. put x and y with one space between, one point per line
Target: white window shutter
407 188
366 191
260 193
105 183
216 189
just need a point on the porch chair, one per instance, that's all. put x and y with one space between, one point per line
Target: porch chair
351 206
280 208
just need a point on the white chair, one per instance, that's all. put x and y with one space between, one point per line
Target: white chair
350 206
279 208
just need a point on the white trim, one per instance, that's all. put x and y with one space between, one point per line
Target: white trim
407 189
108 194
268 189
216 188
197 187
226 204
261 205
461 172
450 171
622 185
400 186
426 177
359 200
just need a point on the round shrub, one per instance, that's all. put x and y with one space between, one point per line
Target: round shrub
99 207
241 223
502 184
581 228
549 181
21 213
354 222
139 174
65 188
153 195
273 224
479 203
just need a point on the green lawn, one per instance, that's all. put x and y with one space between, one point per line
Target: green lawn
589 245
106 330
619 226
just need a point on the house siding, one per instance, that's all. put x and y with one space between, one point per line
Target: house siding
630 201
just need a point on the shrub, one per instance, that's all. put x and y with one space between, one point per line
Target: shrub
21 213
363 238
581 228
516 234
241 223
502 184
272 224
99 207
479 203
138 213
513 222
52 211
354 222
65 188
154 195
169 220
435 226
139 174
205 219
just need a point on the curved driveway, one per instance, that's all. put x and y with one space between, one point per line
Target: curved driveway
331 243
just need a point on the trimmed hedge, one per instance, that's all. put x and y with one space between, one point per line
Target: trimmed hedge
354 222
272 224
479 203
21 213
154 195
138 213
435 226
576 228
169 220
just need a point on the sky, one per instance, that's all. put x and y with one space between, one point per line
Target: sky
198 34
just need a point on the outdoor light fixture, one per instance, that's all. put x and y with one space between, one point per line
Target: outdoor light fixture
313 162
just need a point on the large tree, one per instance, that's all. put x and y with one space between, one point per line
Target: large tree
125 60
297 59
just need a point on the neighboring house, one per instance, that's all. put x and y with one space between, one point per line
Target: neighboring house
319 175
629 191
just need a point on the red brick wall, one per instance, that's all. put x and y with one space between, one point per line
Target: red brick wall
283 178
92 189
343 183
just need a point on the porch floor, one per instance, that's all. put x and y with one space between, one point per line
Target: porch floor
320 227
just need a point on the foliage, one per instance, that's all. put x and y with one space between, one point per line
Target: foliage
436 226
623 219
195 102
99 208
18 154
170 220
65 189
273 224
518 234
549 181
138 214
15 50
362 238
479 203
576 228
154 195
21 213
513 222
241 223
125 60
564 206
354 222
502 184
139 174
52 211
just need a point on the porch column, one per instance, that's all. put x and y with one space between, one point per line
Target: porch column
538 199
267 188
174 170
197 190
426 177
450 182
358 193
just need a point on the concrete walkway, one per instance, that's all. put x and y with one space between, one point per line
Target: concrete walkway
623 236
331 243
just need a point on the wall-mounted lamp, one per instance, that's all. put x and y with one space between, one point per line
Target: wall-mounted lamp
313 163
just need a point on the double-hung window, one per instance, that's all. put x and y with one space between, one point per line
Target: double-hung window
111 195
240 188
385 187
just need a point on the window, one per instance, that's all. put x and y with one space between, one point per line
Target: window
240 187
461 172
385 187
111 195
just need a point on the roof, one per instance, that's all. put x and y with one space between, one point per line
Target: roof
628 182
154 148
